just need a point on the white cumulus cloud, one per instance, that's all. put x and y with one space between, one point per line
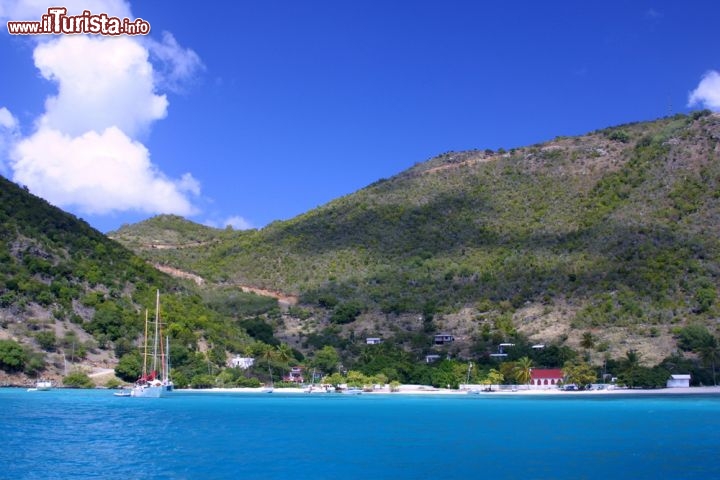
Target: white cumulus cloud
85 150
102 82
99 173
707 92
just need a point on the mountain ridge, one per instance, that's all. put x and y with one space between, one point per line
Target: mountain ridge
613 229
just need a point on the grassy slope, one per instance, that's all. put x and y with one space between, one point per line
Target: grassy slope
614 229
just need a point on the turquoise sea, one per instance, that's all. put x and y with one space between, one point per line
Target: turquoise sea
65 434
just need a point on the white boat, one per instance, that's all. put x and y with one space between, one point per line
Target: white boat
41 386
352 391
154 384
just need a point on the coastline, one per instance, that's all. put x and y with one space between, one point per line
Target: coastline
520 391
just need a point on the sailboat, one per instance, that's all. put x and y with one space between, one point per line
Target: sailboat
151 384
41 385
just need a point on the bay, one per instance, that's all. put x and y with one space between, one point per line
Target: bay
63 434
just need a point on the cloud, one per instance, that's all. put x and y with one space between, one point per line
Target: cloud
236 222
177 64
85 150
8 134
707 92
99 173
102 82
7 120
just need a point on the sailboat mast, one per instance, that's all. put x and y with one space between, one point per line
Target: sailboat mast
157 326
145 349
166 373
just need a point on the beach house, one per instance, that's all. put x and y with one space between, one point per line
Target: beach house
241 362
678 381
545 377
295 375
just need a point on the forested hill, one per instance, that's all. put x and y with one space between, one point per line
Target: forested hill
70 294
613 231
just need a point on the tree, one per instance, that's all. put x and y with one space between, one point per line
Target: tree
709 354
493 377
47 340
693 337
12 356
326 359
334 379
523 370
129 367
357 379
346 312
283 354
644 377
632 359
267 353
588 340
580 373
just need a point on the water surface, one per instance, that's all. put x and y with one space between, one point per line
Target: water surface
65 434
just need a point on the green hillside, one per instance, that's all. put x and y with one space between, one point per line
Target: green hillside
612 234
69 295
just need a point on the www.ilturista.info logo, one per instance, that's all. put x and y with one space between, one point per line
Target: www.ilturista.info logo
57 21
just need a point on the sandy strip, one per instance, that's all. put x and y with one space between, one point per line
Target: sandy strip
521 390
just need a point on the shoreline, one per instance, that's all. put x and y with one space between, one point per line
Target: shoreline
428 390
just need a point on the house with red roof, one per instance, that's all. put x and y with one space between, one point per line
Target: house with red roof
545 377
295 375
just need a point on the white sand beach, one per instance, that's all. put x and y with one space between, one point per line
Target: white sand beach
504 390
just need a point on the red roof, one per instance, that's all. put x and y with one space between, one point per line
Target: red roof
549 373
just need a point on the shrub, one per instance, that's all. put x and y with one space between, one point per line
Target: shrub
78 379
12 356
346 312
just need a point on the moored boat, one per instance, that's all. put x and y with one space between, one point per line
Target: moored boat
41 385
151 384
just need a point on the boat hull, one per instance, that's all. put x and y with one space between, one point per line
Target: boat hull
145 391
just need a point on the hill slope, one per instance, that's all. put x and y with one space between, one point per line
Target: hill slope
68 293
614 233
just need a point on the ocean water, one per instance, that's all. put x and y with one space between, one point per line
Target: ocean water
65 434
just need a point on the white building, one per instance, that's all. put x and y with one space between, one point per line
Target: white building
678 381
242 362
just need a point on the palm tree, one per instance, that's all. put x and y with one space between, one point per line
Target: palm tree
267 353
631 364
523 370
588 340
632 359
283 354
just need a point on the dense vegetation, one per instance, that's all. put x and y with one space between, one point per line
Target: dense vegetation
612 236
615 230
68 293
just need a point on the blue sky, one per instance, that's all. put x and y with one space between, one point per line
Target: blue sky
259 111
